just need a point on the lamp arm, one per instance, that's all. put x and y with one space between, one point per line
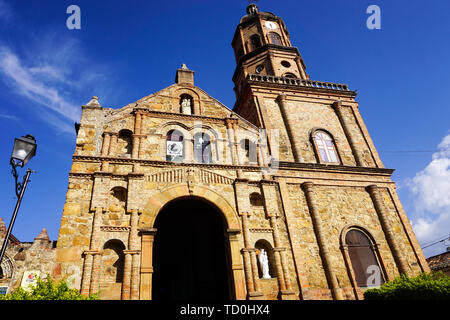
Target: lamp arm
19 185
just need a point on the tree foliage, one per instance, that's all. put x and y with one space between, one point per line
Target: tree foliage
47 290
425 286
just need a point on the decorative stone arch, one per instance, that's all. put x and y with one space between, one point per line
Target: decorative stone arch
206 129
289 75
344 249
337 144
125 143
165 129
112 269
173 125
242 134
197 110
147 232
117 203
262 243
158 201
213 135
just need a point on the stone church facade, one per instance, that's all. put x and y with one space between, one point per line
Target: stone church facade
177 196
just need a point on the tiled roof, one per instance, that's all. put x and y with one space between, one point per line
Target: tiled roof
439 261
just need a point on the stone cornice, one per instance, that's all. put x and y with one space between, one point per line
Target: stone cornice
335 168
161 114
283 165
161 163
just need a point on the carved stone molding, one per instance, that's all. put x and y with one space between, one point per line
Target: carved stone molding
114 229
261 230
189 175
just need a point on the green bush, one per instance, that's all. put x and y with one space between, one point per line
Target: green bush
47 290
426 286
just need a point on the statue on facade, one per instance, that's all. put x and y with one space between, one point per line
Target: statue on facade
186 106
264 262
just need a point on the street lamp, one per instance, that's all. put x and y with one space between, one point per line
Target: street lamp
24 149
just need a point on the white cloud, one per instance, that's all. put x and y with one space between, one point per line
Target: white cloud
26 80
50 75
7 116
431 189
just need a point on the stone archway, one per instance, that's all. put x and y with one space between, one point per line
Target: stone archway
191 258
148 230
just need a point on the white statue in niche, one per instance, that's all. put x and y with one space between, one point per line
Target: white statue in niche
186 106
264 262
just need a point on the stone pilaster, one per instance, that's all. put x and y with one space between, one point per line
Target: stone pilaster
336 291
249 254
136 146
113 145
337 106
106 143
270 190
95 250
134 252
290 125
135 276
126 285
236 264
295 242
95 235
146 270
231 140
95 275
237 147
280 259
377 198
87 271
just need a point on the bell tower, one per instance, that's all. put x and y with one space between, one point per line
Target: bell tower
274 92
262 46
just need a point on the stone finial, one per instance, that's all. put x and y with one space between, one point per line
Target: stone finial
184 67
43 236
93 102
252 9
2 226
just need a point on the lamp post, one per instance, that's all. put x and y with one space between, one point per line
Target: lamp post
24 149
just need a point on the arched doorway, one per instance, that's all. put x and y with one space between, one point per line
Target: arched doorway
190 253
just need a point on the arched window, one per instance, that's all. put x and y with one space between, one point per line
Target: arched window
275 38
250 151
325 147
7 268
117 205
174 146
289 75
254 42
186 104
111 276
363 259
125 143
266 260
202 148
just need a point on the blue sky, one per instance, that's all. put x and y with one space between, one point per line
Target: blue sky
126 50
